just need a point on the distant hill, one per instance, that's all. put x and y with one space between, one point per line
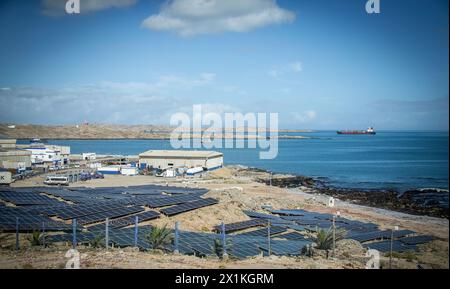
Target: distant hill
91 131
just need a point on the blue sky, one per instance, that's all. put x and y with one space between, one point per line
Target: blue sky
322 64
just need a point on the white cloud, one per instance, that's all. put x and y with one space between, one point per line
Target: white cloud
304 117
234 90
296 66
104 102
193 17
274 73
57 7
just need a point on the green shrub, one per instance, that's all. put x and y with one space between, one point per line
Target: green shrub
218 247
97 242
159 238
35 239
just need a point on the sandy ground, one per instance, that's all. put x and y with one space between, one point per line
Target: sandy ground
237 191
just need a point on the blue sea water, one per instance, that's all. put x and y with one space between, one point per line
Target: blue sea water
394 160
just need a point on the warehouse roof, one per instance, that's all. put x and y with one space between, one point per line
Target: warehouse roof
180 154
13 152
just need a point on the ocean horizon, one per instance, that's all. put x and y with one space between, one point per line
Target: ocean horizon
399 160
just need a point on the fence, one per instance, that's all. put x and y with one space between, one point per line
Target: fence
124 234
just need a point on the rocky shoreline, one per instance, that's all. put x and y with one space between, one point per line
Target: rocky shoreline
430 202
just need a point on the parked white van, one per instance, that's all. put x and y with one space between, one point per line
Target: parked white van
57 180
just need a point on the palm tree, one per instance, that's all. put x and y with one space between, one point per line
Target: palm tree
324 238
97 241
35 238
218 247
159 238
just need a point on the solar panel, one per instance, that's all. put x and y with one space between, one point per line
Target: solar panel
167 201
285 248
288 212
292 236
25 199
232 227
385 246
101 216
415 240
188 206
85 210
365 237
253 214
127 221
245 250
28 222
264 232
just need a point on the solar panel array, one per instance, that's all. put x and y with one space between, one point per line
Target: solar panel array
185 207
127 221
365 237
232 227
35 206
285 248
56 206
98 217
167 201
416 240
359 231
385 246
291 236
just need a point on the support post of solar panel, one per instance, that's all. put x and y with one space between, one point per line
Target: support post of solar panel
43 234
107 233
224 242
392 246
17 233
334 236
391 249
177 236
136 230
269 245
74 233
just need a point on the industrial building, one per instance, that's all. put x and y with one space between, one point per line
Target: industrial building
163 159
12 158
48 154
15 159
7 143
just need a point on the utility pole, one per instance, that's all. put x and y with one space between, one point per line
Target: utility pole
392 246
334 232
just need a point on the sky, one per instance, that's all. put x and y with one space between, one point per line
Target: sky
322 64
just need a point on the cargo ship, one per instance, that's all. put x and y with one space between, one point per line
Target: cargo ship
370 130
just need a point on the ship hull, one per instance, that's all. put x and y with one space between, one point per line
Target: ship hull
356 132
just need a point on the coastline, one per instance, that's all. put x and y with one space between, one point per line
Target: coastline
388 199
237 190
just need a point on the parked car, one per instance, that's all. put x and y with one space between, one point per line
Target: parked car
85 177
98 175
